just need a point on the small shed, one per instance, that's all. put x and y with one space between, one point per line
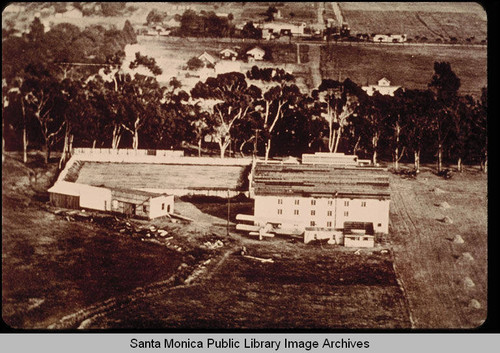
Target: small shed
139 203
320 233
65 194
359 234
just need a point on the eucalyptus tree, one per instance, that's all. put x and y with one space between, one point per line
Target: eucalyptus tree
340 101
42 94
445 85
417 108
276 101
232 99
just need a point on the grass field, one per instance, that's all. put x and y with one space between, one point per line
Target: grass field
435 21
408 66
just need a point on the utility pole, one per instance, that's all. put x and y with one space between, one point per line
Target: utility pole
255 143
228 211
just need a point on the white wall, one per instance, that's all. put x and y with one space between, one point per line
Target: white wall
95 198
328 212
358 242
156 203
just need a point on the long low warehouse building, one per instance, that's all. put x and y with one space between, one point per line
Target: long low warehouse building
136 203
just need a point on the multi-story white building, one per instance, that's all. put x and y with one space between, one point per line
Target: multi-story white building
305 198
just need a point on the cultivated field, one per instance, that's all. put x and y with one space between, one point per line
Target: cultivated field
305 287
435 21
445 280
408 66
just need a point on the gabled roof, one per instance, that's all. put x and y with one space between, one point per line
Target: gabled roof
227 50
384 82
208 57
256 50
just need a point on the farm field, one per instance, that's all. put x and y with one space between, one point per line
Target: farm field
445 280
408 66
161 176
305 287
435 21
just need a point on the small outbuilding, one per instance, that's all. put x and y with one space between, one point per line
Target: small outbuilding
143 204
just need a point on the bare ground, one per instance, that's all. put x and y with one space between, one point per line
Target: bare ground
431 265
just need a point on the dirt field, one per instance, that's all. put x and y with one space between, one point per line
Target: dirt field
435 21
441 276
407 66
305 287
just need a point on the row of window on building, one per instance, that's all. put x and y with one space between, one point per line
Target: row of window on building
330 202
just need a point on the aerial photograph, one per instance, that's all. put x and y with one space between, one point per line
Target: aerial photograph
244 166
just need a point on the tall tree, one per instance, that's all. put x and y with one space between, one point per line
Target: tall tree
233 99
340 103
417 108
276 101
43 91
445 85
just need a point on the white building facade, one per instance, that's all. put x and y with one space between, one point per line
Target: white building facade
322 201
298 212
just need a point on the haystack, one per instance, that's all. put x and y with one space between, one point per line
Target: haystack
446 220
467 256
474 304
457 239
468 282
438 191
443 205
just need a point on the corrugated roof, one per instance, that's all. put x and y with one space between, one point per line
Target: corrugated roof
133 195
320 180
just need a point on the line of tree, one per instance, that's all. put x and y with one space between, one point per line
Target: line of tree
54 108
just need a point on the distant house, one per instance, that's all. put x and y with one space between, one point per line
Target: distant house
228 54
276 29
172 23
389 38
256 54
207 58
383 86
